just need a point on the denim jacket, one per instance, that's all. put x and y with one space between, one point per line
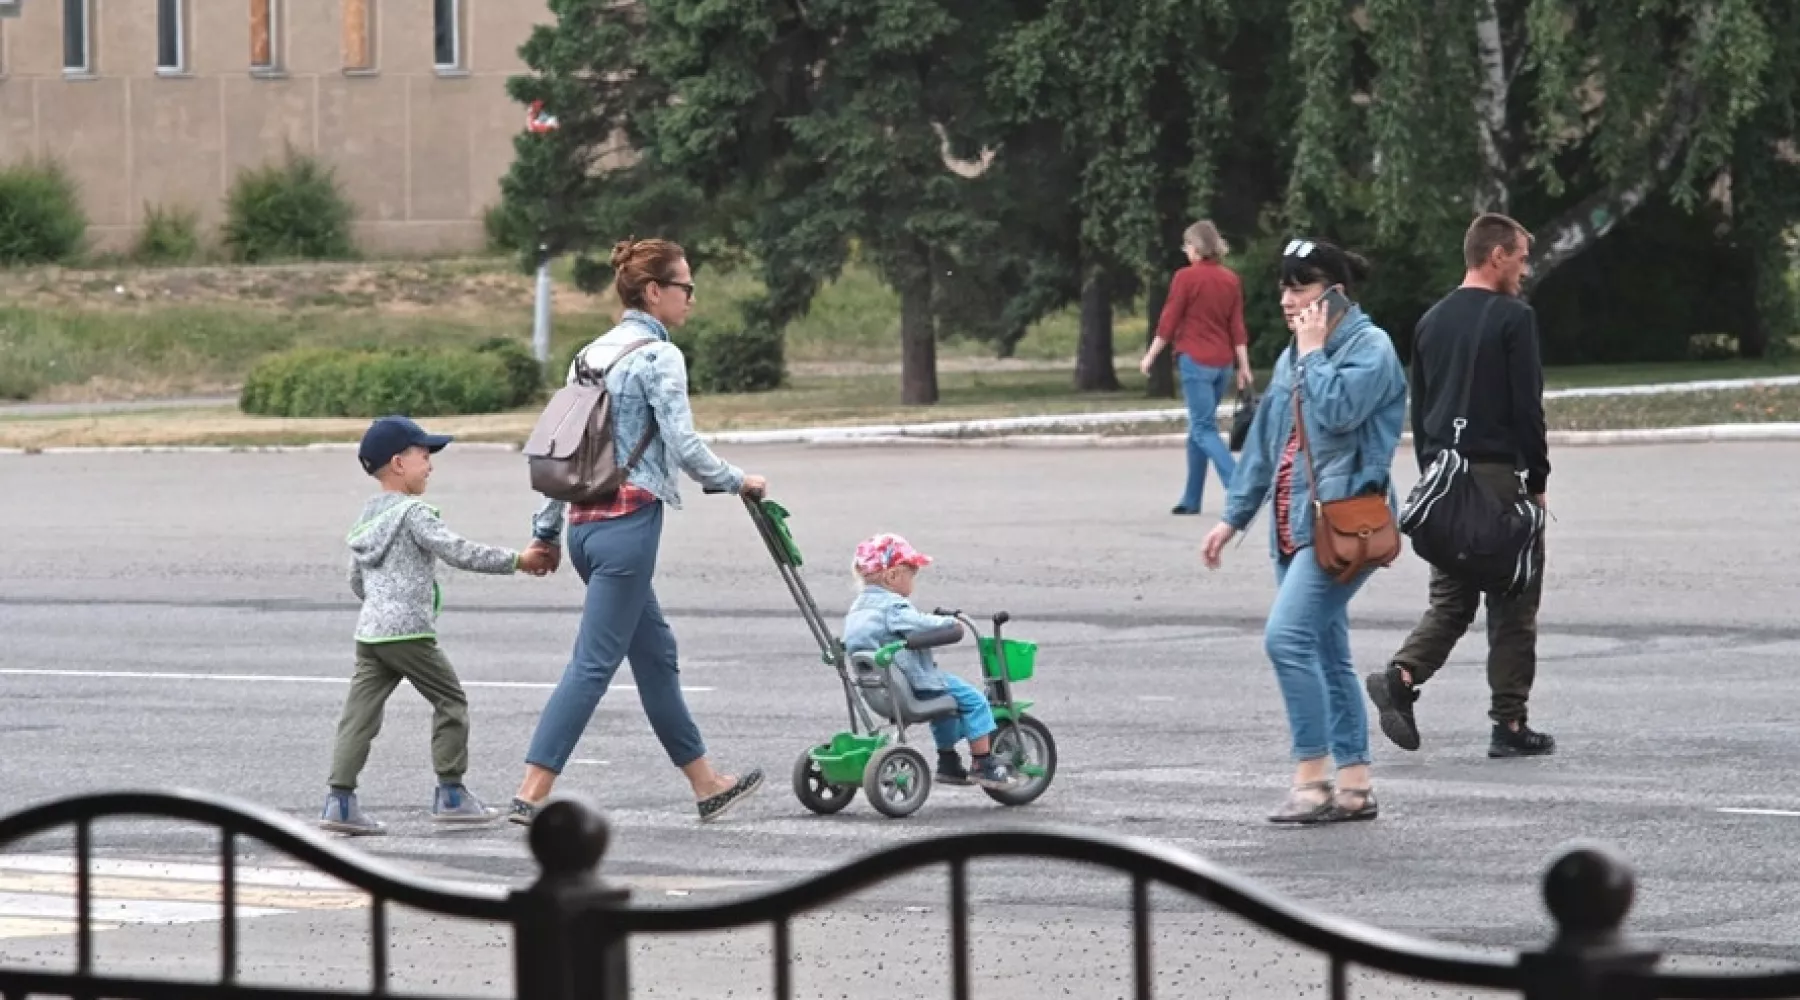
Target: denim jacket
879 616
650 385
1354 404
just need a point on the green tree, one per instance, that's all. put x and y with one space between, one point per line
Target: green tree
1571 116
598 176
838 123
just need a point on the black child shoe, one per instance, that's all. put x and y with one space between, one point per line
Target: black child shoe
1522 742
950 769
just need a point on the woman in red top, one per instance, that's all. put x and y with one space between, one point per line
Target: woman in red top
1204 319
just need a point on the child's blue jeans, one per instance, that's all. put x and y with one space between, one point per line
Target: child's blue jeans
976 720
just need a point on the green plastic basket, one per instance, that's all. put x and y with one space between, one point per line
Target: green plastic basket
1021 658
843 760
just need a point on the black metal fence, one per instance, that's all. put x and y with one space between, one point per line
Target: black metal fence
572 930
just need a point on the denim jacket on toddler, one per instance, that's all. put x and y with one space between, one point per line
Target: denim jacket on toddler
879 616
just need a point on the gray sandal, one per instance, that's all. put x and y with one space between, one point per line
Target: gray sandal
1367 808
1301 809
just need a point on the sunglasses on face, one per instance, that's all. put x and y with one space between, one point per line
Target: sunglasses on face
686 286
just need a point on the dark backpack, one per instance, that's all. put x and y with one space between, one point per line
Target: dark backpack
1460 526
571 451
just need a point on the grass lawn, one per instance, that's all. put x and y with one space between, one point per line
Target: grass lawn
160 333
134 333
843 400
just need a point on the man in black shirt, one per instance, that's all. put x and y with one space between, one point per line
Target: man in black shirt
1505 444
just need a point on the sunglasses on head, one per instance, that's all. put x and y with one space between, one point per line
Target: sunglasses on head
1299 248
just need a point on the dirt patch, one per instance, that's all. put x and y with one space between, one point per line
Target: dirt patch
478 285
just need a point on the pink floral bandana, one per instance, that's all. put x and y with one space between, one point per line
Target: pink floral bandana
885 551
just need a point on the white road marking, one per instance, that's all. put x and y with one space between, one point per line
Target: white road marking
1759 812
120 911
37 893
157 675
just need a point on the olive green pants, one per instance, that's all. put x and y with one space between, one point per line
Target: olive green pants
380 667
1512 629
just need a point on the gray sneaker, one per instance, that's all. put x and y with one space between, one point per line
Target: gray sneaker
456 804
342 814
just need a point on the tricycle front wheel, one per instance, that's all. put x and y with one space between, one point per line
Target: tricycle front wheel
1025 746
897 781
813 791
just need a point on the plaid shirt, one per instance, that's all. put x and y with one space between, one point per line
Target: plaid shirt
630 498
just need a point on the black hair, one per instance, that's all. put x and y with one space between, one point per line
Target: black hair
1309 261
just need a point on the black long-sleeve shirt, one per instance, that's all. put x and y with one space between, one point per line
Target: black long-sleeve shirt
1506 396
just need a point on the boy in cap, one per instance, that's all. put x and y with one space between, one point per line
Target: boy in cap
394 547
886 566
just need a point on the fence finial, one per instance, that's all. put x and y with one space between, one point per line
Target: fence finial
1589 890
568 837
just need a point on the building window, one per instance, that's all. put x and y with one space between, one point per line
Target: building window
78 37
171 36
359 34
448 36
265 36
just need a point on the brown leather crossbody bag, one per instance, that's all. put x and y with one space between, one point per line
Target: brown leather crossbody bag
1351 534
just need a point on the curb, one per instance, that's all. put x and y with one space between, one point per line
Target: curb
1722 433
1702 434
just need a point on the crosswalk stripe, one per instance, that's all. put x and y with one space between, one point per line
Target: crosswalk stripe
37 893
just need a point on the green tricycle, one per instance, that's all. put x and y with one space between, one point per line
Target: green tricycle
894 774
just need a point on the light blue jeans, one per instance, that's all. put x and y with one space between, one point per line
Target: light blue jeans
1202 388
976 720
1308 640
619 619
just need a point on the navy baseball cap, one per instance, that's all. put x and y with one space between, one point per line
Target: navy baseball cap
389 436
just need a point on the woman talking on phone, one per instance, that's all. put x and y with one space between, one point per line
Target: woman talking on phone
1340 375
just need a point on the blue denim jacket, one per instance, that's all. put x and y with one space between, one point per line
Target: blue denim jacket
650 384
1354 403
879 616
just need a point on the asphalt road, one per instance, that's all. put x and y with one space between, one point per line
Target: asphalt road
181 620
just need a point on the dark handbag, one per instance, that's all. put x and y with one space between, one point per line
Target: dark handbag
1242 418
1460 526
1351 534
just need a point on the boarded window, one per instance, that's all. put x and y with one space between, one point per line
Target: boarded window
359 34
262 35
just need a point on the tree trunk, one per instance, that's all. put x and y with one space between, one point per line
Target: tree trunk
1579 228
1161 384
918 343
1491 194
1094 357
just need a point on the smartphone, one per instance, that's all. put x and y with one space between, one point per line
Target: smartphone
1336 305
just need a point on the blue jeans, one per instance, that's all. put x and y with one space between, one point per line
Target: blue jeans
1308 640
1202 388
976 720
619 618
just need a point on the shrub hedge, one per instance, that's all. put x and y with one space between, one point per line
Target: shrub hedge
367 383
720 357
41 220
292 209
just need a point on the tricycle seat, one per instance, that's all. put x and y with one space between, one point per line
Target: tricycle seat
893 698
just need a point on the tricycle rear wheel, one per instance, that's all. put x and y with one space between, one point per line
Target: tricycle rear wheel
813 791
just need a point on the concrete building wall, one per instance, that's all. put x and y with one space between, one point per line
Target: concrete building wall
419 148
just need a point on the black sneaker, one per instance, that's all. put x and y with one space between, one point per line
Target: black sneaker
1394 698
1523 742
950 769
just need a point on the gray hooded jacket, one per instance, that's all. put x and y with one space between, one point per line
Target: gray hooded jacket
394 549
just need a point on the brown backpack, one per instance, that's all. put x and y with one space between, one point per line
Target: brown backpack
571 451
